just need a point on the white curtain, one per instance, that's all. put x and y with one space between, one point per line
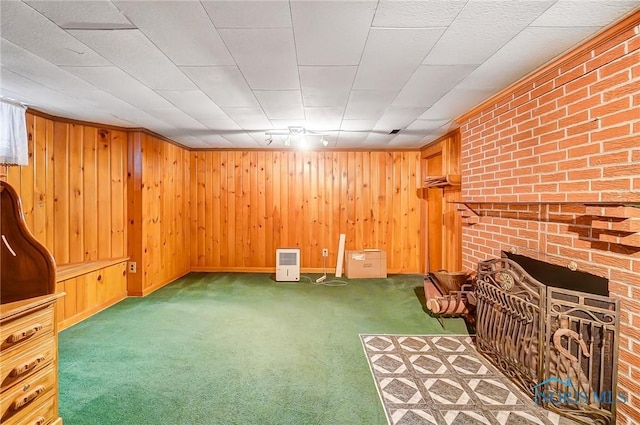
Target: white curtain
13 134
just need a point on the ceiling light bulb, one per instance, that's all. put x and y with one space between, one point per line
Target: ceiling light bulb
287 141
324 142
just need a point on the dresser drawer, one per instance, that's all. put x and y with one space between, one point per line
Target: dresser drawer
16 366
17 332
17 403
43 414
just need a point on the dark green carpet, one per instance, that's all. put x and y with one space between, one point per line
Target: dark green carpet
233 348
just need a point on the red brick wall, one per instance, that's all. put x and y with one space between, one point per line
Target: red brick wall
570 134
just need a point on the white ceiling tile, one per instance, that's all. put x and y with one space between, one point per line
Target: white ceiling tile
424 126
82 14
397 118
377 140
416 14
584 13
284 124
134 53
357 125
215 141
331 32
200 45
249 14
482 28
455 103
429 83
391 56
220 125
33 67
145 120
281 105
351 139
266 57
249 118
323 119
177 119
514 60
195 103
43 98
225 85
357 68
241 140
115 81
367 104
415 140
326 85
191 141
27 28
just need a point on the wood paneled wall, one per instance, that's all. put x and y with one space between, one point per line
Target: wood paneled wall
245 204
441 219
73 190
159 214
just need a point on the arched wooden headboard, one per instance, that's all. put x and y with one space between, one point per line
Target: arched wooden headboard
27 269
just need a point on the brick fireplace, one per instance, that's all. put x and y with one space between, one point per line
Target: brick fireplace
538 160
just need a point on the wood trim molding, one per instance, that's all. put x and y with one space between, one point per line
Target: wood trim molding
625 23
67 323
56 118
196 150
146 291
45 115
173 142
69 271
432 148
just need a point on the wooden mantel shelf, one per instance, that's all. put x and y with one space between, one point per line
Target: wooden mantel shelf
616 222
440 181
585 203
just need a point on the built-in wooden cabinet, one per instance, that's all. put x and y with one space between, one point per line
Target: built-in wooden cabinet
89 288
442 238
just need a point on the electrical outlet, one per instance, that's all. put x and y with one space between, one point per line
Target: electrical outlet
133 267
325 252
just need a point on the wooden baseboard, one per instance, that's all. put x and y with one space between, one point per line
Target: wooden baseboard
150 289
67 323
273 270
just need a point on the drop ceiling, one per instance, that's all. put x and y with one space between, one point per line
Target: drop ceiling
219 74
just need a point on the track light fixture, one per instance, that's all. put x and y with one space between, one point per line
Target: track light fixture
297 136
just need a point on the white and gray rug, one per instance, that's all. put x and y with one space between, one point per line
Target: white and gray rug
443 380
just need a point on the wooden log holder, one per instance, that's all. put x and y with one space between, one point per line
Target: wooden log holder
443 302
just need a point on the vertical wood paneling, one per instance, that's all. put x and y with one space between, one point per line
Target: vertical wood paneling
39 141
60 190
90 182
441 239
159 231
118 180
76 194
104 193
272 199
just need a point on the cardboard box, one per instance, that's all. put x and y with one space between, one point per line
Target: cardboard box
365 264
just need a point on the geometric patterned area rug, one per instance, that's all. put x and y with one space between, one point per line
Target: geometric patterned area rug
443 380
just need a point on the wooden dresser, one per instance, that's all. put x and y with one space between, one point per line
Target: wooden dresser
28 326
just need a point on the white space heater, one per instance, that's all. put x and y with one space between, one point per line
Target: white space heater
288 264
